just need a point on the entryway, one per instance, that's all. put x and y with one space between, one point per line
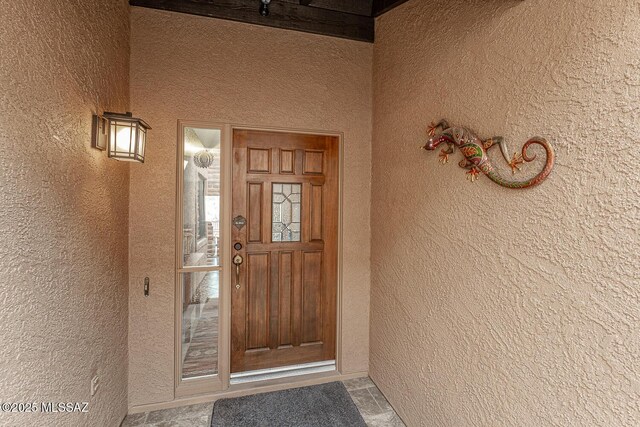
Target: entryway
371 404
257 259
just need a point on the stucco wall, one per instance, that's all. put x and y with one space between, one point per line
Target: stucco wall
63 210
497 307
195 68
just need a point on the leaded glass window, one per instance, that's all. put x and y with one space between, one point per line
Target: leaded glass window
286 204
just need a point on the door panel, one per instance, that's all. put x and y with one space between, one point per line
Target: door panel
254 211
287 161
315 213
285 282
257 301
313 162
311 297
284 310
259 160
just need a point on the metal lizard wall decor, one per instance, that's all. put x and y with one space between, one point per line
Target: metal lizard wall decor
475 150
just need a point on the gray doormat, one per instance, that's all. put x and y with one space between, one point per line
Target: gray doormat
315 406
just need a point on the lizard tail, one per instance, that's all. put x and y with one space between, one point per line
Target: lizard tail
544 173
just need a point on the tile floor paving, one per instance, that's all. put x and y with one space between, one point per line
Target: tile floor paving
372 405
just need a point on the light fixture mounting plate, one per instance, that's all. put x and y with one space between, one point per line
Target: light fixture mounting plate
99 133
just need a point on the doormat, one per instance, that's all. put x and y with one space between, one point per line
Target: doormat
319 405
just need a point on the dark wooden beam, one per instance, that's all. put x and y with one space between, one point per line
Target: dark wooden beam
358 7
291 16
382 6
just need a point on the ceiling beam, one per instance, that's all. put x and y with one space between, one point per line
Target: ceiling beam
291 16
382 6
359 7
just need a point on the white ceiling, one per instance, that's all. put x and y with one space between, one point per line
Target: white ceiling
210 138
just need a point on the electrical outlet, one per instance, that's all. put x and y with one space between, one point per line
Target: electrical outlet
95 383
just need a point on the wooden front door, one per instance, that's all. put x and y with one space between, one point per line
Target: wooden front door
285 210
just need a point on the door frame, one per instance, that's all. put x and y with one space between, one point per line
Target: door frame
221 382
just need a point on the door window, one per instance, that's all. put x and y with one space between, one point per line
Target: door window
286 205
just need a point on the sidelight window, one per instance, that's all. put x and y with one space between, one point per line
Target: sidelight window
199 260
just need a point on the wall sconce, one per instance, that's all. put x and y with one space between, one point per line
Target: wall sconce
264 7
122 135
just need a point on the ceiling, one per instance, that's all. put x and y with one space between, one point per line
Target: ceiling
210 138
350 19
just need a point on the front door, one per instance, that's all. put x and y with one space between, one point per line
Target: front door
285 245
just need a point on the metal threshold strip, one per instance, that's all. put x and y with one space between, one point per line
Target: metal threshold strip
283 372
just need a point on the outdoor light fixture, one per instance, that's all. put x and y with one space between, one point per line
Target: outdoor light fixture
264 7
122 135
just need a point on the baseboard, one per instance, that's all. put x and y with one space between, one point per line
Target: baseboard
245 389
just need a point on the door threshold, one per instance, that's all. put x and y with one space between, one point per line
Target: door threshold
282 372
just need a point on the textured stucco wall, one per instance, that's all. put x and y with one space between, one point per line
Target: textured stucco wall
63 209
496 307
186 67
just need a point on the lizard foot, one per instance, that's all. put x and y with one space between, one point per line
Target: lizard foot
472 174
431 130
515 163
444 157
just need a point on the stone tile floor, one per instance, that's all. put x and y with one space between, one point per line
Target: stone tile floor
373 406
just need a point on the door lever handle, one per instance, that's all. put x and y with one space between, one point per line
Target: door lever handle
237 260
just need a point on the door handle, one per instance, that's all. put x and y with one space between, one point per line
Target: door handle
237 260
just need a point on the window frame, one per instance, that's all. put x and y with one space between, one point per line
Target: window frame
185 387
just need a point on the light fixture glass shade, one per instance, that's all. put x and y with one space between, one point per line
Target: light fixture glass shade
127 137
